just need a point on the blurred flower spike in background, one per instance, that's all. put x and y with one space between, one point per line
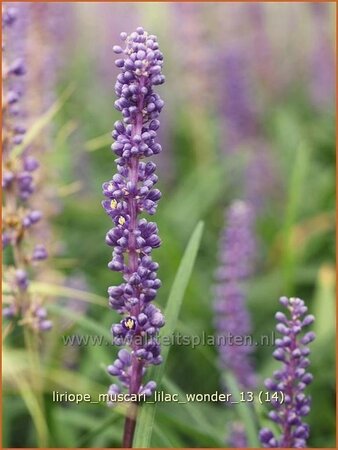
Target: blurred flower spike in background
248 135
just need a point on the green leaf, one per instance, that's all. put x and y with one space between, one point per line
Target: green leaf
85 322
146 417
188 430
43 121
324 305
55 290
88 437
197 193
33 405
295 192
74 382
195 415
245 412
98 142
166 442
203 350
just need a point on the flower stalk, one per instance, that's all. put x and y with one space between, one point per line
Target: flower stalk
292 379
236 259
18 186
129 194
237 254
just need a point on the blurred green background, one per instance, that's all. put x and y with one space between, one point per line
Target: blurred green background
249 113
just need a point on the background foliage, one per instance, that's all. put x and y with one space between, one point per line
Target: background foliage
242 81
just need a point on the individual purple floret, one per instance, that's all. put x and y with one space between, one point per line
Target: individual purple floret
8 16
130 193
39 253
18 186
21 279
292 379
39 315
237 252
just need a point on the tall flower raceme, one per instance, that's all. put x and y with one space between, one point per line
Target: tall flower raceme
262 179
48 27
195 35
242 120
322 72
18 186
237 254
237 106
259 45
130 193
44 70
292 379
232 319
196 77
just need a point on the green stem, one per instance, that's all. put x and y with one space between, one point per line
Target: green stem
36 382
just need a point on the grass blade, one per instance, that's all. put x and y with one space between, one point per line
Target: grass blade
85 322
200 193
88 437
325 306
98 142
33 405
55 290
296 188
43 121
245 412
145 422
195 415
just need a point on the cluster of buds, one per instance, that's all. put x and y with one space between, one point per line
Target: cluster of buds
18 186
292 379
129 194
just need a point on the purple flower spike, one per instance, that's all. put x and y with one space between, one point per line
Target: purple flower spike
237 252
236 104
292 379
129 194
19 185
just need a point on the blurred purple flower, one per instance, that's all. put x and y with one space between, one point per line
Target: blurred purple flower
18 185
260 58
49 27
197 77
13 70
21 279
9 15
237 254
292 379
262 181
237 436
237 106
322 71
196 66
